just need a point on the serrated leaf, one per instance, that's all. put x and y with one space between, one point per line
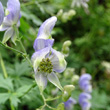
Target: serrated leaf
4 97
14 100
6 83
22 90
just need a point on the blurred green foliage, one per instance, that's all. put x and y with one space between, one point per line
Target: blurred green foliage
89 31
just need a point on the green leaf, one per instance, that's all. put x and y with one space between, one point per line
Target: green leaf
21 68
22 90
6 83
4 97
14 100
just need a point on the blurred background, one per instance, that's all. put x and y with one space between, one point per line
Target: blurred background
87 27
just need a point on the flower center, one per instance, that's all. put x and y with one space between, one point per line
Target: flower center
45 66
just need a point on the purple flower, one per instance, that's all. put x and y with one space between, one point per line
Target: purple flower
44 38
46 62
84 101
84 83
11 21
1 13
69 103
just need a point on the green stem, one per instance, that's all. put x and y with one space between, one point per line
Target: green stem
12 107
6 46
53 98
22 46
25 55
32 2
28 90
5 75
3 67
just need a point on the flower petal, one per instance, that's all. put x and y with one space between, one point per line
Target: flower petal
41 80
1 13
54 80
85 77
38 56
58 61
8 34
42 43
13 6
15 35
5 25
46 28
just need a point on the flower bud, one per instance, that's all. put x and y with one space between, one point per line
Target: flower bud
75 78
64 17
65 96
60 106
69 88
69 72
60 13
65 48
71 13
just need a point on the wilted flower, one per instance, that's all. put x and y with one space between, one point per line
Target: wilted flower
44 38
84 101
84 83
46 62
11 21
69 104
1 13
79 3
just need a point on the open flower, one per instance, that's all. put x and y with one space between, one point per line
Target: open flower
44 38
11 21
69 104
84 101
1 13
46 62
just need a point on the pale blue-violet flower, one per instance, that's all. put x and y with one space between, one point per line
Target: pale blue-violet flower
69 104
1 13
84 101
46 62
11 21
44 38
84 83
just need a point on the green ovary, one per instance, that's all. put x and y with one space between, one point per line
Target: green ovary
45 66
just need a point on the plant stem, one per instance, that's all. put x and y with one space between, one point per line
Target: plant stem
12 107
3 66
5 76
6 46
23 54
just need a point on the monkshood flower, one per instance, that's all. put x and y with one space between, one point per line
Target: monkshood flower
44 38
69 104
11 22
84 83
1 13
79 3
46 62
84 101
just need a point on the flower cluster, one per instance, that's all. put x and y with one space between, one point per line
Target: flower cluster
47 61
79 3
11 21
84 83
69 104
